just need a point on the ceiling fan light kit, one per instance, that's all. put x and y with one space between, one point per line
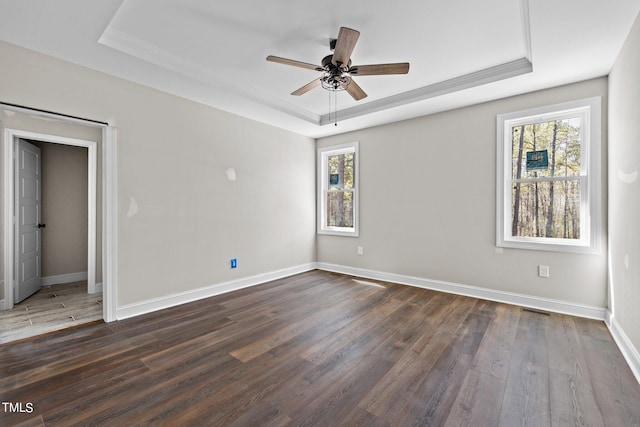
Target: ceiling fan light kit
334 77
337 71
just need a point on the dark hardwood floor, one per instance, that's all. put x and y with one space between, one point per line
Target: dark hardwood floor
324 349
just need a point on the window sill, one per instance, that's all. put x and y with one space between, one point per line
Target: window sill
560 246
339 232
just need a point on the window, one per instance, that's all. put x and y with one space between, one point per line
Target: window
338 190
549 178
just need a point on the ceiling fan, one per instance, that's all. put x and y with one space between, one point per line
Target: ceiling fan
337 71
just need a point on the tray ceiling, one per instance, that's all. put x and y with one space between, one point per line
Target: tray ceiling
461 52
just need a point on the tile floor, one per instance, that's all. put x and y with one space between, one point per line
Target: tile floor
51 308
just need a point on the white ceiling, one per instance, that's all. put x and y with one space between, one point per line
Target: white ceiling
461 52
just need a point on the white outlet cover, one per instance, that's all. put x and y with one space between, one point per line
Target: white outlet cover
543 270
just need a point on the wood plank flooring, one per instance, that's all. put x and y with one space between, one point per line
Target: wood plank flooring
52 308
328 350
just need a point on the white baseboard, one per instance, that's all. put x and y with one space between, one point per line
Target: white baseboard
64 278
98 288
136 309
628 350
523 300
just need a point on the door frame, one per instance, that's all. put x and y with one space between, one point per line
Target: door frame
109 207
12 136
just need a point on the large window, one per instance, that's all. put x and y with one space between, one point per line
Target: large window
549 177
338 190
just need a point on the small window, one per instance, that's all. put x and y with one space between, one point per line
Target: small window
338 190
548 177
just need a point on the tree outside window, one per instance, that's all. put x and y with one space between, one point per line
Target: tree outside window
548 177
341 188
338 190
546 193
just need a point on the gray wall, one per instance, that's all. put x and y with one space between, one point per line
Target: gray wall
180 219
624 187
427 205
64 209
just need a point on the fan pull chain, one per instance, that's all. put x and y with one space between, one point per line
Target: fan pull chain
335 105
329 105
335 110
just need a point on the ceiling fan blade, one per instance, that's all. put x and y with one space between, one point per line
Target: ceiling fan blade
306 88
300 64
379 69
345 44
355 91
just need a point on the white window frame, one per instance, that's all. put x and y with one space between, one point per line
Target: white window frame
590 175
323 179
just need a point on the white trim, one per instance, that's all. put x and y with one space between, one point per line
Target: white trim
526 28
591 194
8 223
49 115
154 304
523 300
65 278
109 208
2 301
92 231
10 135
628 350
322 176
109 224
488 75
456 84
124 42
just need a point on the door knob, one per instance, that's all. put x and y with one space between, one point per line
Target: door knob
42 225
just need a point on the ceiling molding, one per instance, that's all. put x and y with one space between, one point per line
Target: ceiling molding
526 28
467 81
478 78
156 55
457 59
149 52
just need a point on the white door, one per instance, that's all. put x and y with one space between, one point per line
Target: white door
28 226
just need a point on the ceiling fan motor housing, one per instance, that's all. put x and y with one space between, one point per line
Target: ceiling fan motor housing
335 77
329 66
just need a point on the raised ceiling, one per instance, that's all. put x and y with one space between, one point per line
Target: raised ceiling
461 52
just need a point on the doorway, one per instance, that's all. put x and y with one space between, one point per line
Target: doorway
30 118
60 217
13 137
18 141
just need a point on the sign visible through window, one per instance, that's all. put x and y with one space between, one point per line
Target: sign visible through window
337 192
549 177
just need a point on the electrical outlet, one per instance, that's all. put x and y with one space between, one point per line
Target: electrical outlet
234 262
543 270
360 250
